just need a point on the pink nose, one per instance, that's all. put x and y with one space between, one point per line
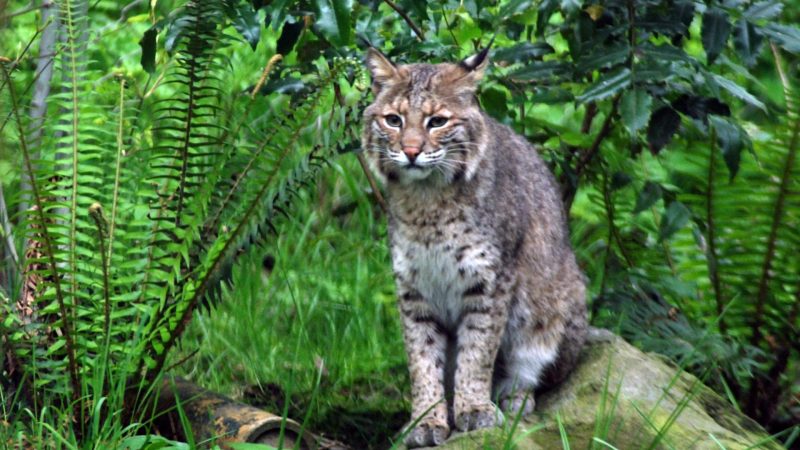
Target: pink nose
411 152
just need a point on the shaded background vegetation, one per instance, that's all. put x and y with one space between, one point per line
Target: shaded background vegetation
176 195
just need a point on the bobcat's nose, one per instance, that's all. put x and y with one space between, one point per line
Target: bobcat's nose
411 152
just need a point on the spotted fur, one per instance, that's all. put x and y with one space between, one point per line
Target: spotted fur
491 299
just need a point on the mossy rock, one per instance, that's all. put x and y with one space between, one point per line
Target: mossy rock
624 397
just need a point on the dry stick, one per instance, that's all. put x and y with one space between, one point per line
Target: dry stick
367 173
7 232
41 90
11 254
417 30
25 10
372 184
604 130
587 156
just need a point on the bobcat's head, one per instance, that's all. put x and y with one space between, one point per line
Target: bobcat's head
425 123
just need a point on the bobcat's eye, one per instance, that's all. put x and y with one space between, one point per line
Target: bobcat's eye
437 121
393 120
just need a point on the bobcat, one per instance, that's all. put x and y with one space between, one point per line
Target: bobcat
491 298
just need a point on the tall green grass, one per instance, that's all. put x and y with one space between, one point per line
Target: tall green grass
317 334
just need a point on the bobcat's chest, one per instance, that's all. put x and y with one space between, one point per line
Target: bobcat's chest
441 260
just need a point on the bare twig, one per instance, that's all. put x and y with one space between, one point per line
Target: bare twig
10 252
41 89
588 155
374 186
7 233
449 27
586 158
25 10
417 30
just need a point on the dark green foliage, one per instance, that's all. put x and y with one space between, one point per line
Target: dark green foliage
690 247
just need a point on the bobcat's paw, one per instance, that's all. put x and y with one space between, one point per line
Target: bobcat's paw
480 415
518 403
428 432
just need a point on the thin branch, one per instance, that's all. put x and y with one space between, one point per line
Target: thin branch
41 89
25 10
449 27
587 157
11 251
7 232
417 30
374 186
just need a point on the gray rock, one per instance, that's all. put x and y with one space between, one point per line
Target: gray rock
629 400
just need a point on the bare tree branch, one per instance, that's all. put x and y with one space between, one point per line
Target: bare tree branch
41 90
10 251
417 30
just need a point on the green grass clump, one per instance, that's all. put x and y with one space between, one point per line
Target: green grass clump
310 327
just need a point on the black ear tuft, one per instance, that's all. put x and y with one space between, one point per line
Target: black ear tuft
473 62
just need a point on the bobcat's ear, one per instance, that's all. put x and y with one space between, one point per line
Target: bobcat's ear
383 71
476 64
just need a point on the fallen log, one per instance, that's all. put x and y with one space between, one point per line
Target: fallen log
213 416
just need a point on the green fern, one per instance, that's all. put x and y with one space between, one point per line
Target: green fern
132 238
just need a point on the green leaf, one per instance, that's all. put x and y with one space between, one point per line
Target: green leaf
676 216
245 20
730 139
635 107
523 52
248 446
747 42
602 58
546 10
716 29
663 124
175 32
769 9
494 101
333 20
551 95
151 442
607 85
539 70
737 91
786 36
619 180
513 8
649 195
417 8
148 45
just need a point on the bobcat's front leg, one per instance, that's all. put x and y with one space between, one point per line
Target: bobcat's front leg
479 334
425 345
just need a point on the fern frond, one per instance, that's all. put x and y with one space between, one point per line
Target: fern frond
269 192
49 246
